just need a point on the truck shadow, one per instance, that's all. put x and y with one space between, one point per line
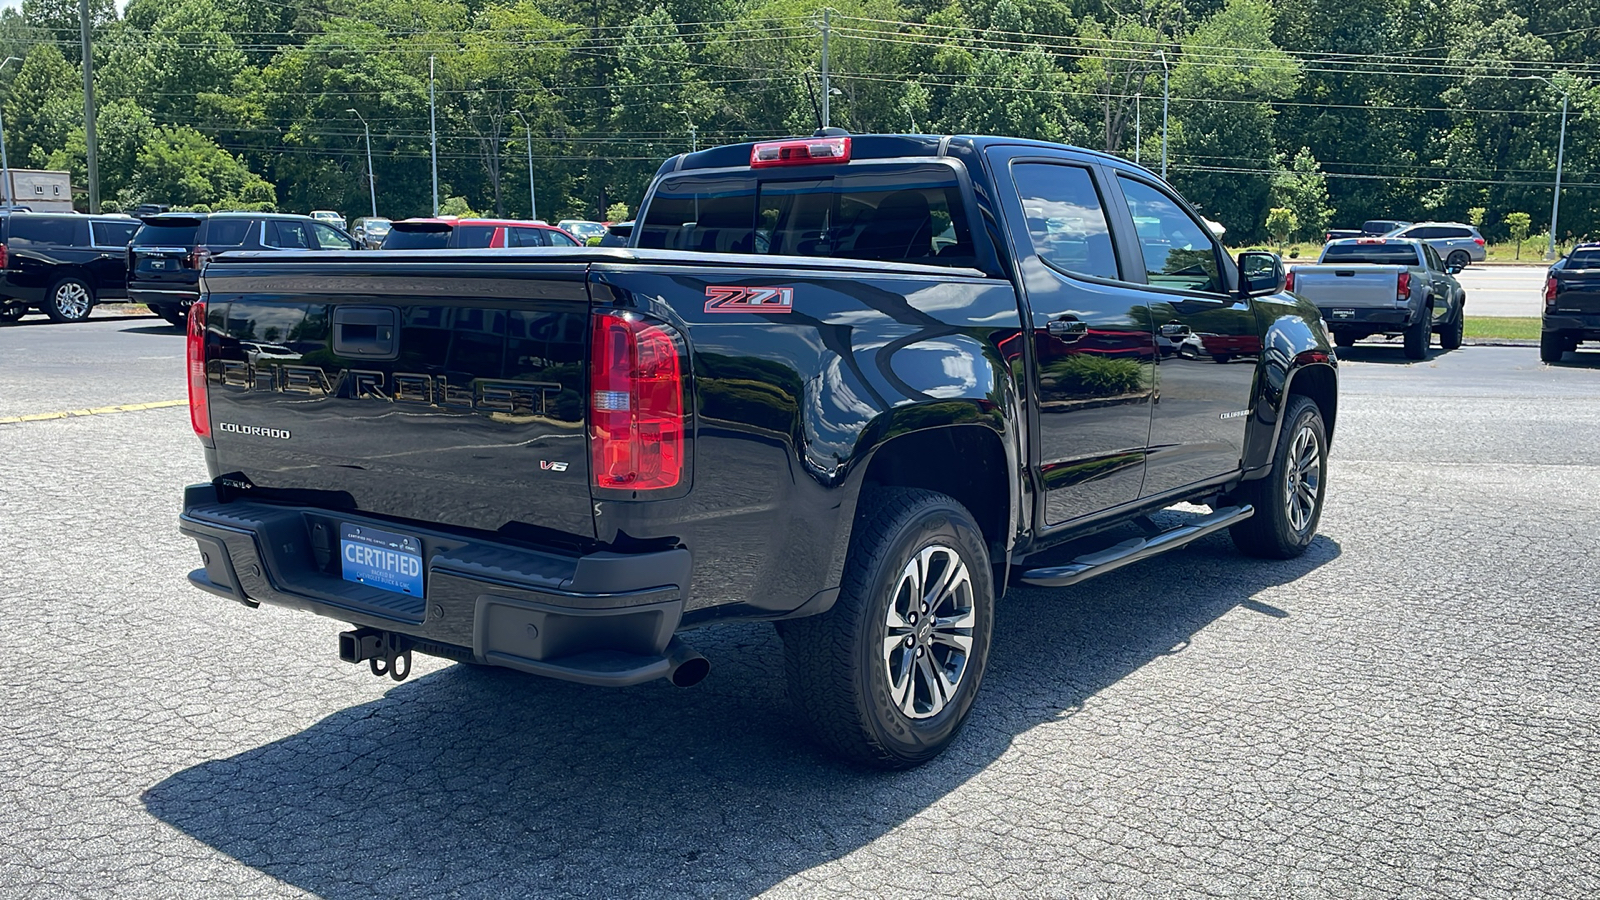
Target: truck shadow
484 783
1387 352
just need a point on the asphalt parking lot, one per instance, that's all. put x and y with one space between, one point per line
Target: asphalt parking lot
1407 711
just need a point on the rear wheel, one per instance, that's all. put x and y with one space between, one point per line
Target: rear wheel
11 312
177 316
1458 258
887 676
1288 501
1344 339
1552 344
1451 335
1418 336
69 300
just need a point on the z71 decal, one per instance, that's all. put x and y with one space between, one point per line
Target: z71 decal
729 299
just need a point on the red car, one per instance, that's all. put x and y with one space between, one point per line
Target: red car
450 232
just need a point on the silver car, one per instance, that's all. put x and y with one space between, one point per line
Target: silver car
1456 244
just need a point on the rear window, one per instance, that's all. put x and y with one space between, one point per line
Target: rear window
894 214
113 234
150 235
42 231
1371 254
228 232
400 239
1583 259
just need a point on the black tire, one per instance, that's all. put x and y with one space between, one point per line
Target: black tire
1221 358
839 671
1344 339
177 317
1419 335
69 300
1552 344
11 312
1458 258
1276 531
1451 335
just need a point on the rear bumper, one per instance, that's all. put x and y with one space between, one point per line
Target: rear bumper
163 296
604 618
1588 326
1368 319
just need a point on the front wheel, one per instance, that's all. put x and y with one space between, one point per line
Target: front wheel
69 300
1288 501
1451 335
1551 345
1344 339
887 676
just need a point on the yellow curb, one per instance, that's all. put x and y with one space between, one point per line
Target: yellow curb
96 411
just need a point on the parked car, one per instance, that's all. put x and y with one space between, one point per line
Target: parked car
449 232
1392 286
1571 303
330 216
61 264
848 433
150 209
1457 244
369 231
617 235
163 263
1369 228
582 229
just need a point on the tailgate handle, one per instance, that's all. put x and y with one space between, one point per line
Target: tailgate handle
367 332
1345 273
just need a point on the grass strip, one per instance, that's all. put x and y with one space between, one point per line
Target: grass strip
1517 328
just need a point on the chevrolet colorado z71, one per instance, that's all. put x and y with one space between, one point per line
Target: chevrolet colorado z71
1390 286
853 385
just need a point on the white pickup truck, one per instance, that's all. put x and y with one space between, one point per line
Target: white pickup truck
1389 286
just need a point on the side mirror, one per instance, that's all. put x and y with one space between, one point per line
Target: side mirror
1260 273
1452 270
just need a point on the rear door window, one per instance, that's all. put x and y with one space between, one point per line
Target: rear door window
289 234
908 213
228 232
525 237
1179 252
329 238
474 237
112 234
1066 220
560 239
47 231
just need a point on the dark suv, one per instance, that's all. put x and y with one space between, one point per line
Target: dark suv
164 261
60 263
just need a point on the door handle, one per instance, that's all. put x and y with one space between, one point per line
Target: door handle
1062 329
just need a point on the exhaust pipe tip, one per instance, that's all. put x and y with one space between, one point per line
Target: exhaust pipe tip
688 667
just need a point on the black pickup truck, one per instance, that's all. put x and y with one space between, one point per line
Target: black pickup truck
852 385
1571 303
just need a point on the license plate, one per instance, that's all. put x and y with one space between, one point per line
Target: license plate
1344 314
158 264
381 559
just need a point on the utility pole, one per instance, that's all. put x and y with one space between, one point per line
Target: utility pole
827 26
1166 97
1138 126
88 107
533 200
1561 152
5 166
694 139
433 137
372 181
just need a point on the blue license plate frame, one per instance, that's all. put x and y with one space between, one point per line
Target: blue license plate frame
385 560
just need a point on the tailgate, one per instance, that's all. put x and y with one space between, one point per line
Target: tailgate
453 396
1578 291
1347 287
162 265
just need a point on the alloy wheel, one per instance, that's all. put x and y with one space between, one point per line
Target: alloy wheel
1303 479
72 300
929 639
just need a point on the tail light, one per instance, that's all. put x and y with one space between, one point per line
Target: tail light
636 409
198 257
1402 286
1288 281
800 153
199 403
2 256
1479 241
1550 288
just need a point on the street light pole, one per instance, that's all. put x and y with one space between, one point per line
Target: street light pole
5 165
533 200
1166 96
433 140
88 107
372 181
1561 152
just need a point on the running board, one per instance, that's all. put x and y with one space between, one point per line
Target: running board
1131 551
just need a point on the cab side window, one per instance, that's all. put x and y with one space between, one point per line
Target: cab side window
289 235
524 237
1179 252
560 239
1066 221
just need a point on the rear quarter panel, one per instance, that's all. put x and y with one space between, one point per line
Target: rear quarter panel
791 405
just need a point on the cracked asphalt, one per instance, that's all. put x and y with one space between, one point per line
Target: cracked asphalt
1407 711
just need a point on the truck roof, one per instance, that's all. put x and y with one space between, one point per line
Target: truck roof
875 146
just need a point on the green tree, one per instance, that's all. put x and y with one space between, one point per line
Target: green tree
42 106
181 166
1476 215
656 95
617 212
1304 189
1519 223
456 206
1281 223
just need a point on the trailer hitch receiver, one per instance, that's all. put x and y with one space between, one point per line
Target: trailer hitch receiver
385 652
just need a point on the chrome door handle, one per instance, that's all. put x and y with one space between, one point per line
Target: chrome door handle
1060 329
